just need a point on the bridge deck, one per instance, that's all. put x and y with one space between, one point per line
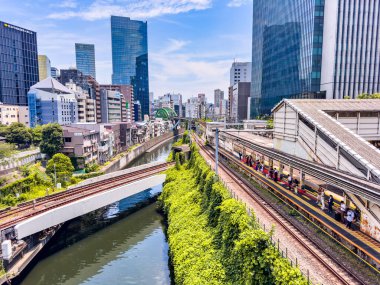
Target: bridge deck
88 188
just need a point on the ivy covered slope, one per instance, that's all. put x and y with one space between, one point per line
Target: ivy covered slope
211 237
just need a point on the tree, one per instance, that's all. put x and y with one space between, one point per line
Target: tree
60 166
36 133
4 130
19 135
52 139
369 96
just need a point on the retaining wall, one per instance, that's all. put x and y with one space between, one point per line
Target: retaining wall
138 151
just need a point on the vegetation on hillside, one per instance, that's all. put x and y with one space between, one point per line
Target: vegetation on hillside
59 167
212 238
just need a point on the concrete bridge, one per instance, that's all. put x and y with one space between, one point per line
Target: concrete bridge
33 217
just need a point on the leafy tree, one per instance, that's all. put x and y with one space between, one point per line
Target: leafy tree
4 130
19 135
369 96
270 123
52 139
61 166
36 133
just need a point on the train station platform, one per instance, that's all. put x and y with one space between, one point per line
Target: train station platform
306 203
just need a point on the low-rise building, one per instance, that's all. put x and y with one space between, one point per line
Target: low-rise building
111 102
86 105
81 145
51 102
14 114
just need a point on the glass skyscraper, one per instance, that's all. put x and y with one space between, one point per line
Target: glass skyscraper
18 63
313 49
85 58
286 51
130 57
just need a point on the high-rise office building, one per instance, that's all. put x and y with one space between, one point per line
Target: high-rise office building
85 58
218 96
54 72
238 95
18 63
130 58
313 49
44 67
240 72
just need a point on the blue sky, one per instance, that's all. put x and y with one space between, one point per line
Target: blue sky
192 43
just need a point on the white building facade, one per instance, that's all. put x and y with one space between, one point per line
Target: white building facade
240 72
51 102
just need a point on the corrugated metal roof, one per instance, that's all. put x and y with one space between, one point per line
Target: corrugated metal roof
314 110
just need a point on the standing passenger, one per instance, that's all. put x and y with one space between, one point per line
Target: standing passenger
323 200
331 204
290 181
350 218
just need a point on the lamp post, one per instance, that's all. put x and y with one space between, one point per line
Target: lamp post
216 150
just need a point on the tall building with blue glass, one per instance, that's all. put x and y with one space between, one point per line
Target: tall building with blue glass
313 49
18 63
130 57
85 58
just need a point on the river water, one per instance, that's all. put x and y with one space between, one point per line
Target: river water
114 245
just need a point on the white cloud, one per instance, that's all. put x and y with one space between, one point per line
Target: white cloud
238 3
140 9
174 70
68 4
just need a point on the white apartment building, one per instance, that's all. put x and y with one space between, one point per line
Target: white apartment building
240 72
14 114
51 102
86 105
192 108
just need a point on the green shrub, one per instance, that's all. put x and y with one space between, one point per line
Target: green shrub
212 238
88 175
92 167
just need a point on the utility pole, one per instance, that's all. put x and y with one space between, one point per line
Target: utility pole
216 150
55 177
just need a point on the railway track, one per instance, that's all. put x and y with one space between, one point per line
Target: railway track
351 183
12 217
341 274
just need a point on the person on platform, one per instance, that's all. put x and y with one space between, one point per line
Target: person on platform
323 200
290 182
350 218
319 195
331 204
275 175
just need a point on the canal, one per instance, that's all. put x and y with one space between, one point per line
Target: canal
114 245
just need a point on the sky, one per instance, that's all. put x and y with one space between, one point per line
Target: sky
191 43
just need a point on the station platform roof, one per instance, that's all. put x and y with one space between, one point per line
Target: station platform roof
317 112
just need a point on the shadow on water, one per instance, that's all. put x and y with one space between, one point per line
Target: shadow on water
123 243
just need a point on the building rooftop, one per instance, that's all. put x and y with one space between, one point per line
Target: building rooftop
316 112
50 84
72 129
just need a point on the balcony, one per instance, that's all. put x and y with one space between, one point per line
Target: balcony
103 148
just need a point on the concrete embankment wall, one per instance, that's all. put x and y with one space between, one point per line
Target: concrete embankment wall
140 150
